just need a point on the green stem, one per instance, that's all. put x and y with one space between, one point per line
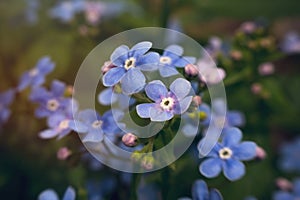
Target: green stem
244 74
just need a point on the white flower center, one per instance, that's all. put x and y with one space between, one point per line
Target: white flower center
33 72
97 124
167 103
129 63
225 153
64 124
165 60
52 105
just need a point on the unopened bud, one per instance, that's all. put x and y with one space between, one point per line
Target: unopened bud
197 100
69 90
130 139
107 66
284 184
266 69
260 153
256 88
236 55
191 70
63 153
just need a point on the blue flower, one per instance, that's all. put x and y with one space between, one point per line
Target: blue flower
129 63
172 58
227 156
291 43
61 123
50 194
50 102
36 76
6 99
110 96
90 122
289 156
66 10
167 103
285 195
200 192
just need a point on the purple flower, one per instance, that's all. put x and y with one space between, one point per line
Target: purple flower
60 124
200 192
285 195
289 156
94 126
172 58
36 76
50 194
167 103
291 43
6 99
129 63
50 102
227 156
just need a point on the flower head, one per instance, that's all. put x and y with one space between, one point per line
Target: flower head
289 156
285 195
227 156
129 63
94 126
167 103
66 10
36 76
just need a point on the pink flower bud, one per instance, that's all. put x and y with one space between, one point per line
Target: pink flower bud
248 27
63 153
191 70
284 184
197 100
236 55
256 88
107 66
260 153
129 140
266 69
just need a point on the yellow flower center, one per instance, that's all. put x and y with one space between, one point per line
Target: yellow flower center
52 105
225 153
63 124
165 60
167 103
97 124
129 63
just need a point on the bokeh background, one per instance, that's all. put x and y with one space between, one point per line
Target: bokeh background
30 29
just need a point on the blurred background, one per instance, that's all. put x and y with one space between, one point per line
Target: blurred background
242 36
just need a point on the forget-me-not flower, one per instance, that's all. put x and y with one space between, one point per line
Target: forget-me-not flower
50 102
227 155
286 195
6 99
94 126
172 58
129 63
50 194
200 192
166 103
66 10
36 76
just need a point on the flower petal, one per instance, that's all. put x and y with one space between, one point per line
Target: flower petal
235 118
113 76
182 62
140 48
143 110
133 81
200 190
119 55
47 134
156 90
24 81
95 135
58 88
48 194
167 71
78 126
245 151
211 167
283 195
181 88
148 62
183 105
158 115
106 97
233 169
69 194
231 136
88 116
174 49
45 65
215 195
